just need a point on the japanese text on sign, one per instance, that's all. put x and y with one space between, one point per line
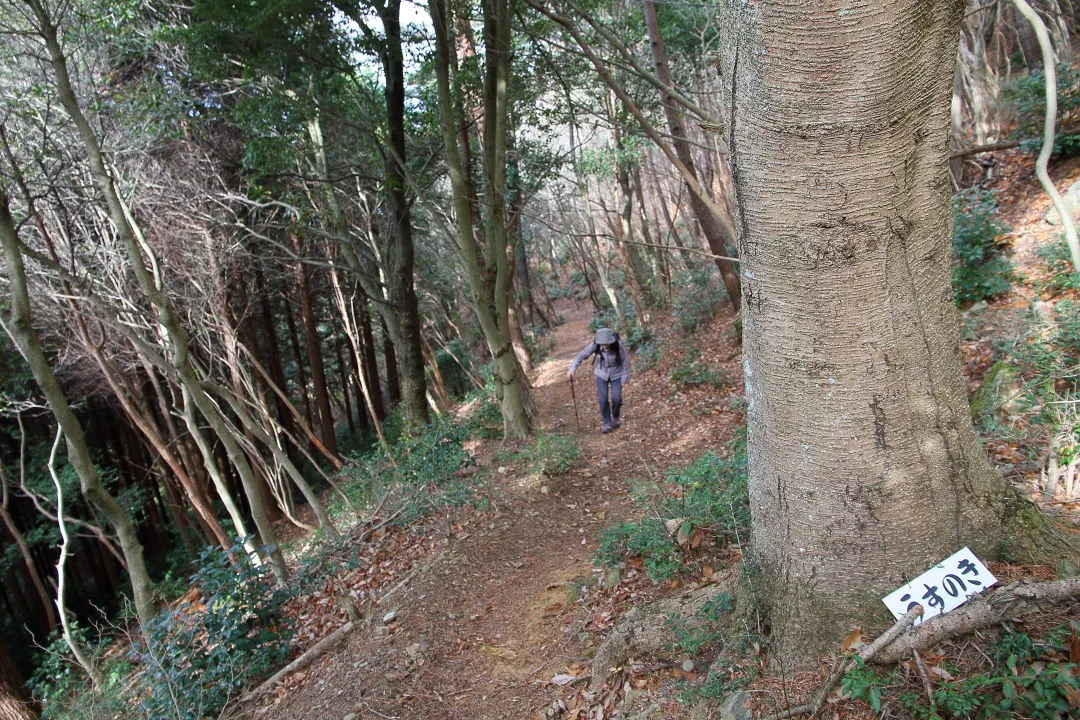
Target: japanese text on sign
942 588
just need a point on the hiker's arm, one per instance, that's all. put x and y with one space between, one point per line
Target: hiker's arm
589 350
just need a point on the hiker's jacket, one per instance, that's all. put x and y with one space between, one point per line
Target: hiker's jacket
609 366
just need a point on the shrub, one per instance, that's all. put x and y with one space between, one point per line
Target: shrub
200 655
692 371
980 270
648 540
698 303
1061 277
60 685
647 355
423 470
1026 97
552 454
710 495
1029 679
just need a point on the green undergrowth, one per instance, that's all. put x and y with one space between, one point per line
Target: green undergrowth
1025 97
700 298
695 372
697 507
550 454
230 632
1058 277
1020 677
981 269
193 658
422 472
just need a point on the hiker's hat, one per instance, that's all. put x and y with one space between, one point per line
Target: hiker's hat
604 336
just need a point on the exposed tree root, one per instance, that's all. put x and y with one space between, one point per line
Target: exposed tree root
645 629
1020 598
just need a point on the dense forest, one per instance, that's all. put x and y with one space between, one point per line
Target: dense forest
280 278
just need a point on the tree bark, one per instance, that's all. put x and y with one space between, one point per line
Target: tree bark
401 291
863 462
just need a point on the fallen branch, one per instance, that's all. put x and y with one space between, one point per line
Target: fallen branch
978 149
309 656
1020 598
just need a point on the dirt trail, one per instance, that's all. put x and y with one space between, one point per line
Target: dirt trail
477 631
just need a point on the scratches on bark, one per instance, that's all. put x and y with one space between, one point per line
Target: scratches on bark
879 423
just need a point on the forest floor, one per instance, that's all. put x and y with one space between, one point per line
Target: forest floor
495 609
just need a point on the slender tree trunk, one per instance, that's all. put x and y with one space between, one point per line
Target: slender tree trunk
348 314
271 350
28 560
715 234
370 365
343 375
488 267
652 248
390 362
864 468
590 224
298 360
399 254
315 355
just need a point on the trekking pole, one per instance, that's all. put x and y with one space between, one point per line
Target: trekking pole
577 420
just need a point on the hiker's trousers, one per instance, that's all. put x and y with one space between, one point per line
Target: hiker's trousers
609 410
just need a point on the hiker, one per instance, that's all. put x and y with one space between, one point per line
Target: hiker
611 366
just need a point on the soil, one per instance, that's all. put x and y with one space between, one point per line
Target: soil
497 602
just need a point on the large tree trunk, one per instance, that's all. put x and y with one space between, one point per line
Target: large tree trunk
399 255
864 466
15 702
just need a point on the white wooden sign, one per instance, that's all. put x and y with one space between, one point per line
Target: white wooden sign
942 588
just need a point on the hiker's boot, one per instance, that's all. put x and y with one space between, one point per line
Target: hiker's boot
616 423
605 429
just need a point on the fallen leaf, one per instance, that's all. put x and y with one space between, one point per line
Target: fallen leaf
853 638
940 672
1074 650
562 679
